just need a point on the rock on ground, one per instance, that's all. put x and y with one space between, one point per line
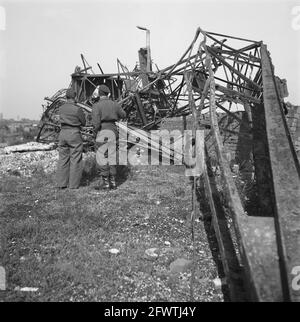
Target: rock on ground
180 265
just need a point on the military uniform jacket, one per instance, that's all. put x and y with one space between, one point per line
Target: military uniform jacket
105 113
71 115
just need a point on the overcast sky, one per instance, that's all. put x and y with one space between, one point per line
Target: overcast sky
41 41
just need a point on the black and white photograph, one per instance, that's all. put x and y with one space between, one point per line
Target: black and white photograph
149 153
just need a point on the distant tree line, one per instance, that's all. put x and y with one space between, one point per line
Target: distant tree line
17 132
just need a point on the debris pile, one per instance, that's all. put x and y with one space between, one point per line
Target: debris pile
27 147
28 163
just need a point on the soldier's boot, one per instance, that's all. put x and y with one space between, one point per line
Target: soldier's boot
113 184
104 184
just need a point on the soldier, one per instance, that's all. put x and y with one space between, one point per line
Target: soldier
104 115
70 144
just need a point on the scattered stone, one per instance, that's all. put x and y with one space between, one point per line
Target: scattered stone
26 289
167 243
119 244
179 220
38 258
218 282
170 249
27 163
2 279
151 252
180 265
114 251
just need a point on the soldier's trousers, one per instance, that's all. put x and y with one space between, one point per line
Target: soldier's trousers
70 166
107 167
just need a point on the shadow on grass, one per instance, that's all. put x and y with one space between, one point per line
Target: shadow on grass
123 173
211 236
91 174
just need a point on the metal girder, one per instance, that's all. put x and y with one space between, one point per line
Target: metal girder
255 235
271 231
285 179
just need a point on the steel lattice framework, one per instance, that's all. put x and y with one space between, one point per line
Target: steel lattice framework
217 76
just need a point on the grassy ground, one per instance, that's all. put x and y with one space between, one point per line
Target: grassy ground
60 241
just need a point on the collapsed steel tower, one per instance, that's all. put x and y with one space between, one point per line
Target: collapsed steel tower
217 76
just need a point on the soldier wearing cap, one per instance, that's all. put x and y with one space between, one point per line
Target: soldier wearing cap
70 144
104 115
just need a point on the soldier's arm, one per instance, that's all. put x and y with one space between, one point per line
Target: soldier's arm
96 118
59 114
81 117
121 112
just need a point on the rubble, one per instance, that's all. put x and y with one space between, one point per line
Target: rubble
25 164
28 163
30 146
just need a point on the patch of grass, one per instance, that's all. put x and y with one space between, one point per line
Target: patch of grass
60 241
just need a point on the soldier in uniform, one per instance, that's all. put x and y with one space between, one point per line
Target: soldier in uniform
104 115
70 144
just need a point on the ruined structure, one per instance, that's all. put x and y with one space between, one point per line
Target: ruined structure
217 76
